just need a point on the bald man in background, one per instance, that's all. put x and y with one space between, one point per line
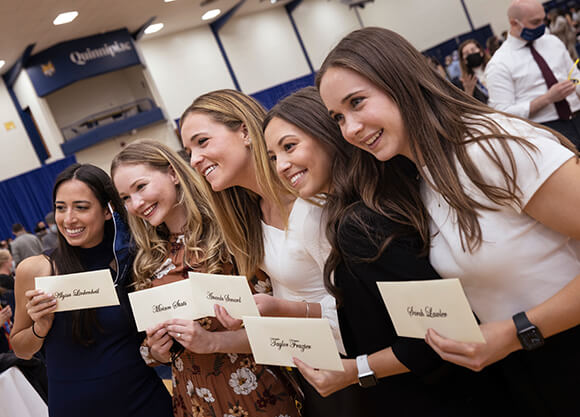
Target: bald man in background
528 75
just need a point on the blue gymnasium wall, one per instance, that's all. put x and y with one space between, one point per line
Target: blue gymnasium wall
27 198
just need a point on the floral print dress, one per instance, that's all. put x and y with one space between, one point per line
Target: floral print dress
220 384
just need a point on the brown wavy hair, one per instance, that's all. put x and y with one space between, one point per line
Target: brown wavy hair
440 120
204 243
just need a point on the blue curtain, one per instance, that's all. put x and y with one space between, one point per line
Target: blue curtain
28 197
269 97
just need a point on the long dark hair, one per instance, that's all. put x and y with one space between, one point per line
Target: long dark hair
440 120
305 110
66 258
355 177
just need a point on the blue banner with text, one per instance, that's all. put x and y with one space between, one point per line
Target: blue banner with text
67 62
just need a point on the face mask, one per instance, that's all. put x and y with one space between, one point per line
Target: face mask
53 228
532 34
474 60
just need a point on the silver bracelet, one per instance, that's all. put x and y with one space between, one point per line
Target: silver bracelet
307 308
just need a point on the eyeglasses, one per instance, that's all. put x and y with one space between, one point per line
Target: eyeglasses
574 80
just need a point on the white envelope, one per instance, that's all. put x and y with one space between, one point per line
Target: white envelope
158 304
229 291
276 340
415 306
81 290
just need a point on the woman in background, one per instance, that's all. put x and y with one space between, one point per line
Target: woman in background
473 59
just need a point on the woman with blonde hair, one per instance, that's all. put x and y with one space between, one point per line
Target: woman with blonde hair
176 232
264 225
499 200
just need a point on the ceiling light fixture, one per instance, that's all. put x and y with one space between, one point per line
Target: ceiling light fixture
210 14
2 62
63 18
156 27
168 1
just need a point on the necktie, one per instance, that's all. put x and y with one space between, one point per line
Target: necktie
562 106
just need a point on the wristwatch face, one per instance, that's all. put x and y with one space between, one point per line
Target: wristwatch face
531 339
367 380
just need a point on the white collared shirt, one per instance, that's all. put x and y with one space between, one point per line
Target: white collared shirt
514 78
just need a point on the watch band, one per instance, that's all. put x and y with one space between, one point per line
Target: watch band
362 364
529 335
521 321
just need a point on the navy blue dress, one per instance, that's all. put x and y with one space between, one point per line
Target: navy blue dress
108 378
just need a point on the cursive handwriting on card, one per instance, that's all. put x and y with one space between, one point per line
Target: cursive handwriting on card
428 311
159 308
279 343
61 295
225 297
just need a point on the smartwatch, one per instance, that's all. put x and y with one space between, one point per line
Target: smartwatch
530 336
366 376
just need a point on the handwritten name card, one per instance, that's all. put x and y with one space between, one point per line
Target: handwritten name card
80 291
415 306
276 340
229 291
158 304
192 299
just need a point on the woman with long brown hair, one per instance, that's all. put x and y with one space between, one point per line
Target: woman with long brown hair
501 195
214 373
369 245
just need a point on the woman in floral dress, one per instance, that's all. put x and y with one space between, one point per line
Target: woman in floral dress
214 373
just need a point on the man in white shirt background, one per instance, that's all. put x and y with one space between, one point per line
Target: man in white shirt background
531 74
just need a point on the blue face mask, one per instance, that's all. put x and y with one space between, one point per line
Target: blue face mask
531 35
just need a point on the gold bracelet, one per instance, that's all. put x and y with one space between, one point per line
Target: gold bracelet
307 308
36 334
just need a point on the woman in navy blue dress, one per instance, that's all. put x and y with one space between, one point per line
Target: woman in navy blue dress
93 360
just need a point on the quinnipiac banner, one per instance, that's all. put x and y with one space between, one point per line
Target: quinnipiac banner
67 62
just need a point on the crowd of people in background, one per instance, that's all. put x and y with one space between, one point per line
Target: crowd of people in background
386 170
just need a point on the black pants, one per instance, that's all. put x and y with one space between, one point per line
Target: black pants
348 402
569 128
546 382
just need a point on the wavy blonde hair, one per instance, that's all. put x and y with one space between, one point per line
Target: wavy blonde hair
237 209
204 243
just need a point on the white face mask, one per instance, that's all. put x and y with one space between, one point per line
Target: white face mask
53 228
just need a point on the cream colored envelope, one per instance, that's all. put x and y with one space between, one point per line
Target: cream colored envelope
415 306
80 291
158 304
276 340
229 291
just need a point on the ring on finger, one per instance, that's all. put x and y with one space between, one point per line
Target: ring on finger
179 335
